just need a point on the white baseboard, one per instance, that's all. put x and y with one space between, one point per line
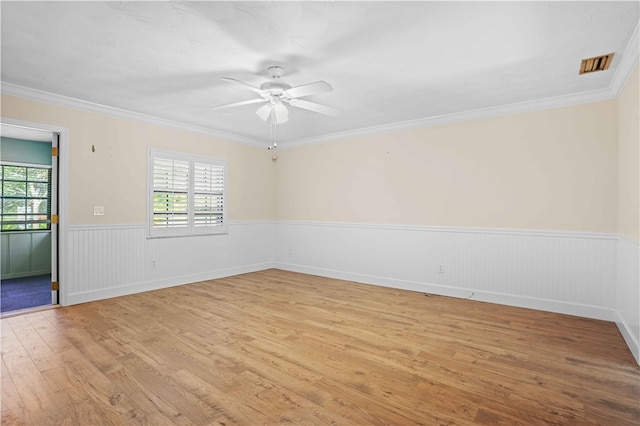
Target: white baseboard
591 275
462 293
115 260
572 273
627 293
627 335
26 274
132 288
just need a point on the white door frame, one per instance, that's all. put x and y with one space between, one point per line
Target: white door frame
55 293
63 196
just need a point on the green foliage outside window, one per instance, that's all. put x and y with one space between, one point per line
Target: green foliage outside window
25 198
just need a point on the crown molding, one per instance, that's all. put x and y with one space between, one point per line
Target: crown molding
627 64
458 117
65 101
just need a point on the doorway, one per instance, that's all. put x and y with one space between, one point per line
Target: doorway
28 218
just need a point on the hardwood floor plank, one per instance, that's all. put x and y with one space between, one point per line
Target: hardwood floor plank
276 347
13 409
37 349
49 332
25 376
154 411
157 383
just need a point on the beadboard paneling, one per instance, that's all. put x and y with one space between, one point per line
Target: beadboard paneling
591 275
25 253
571 273
627 293
108 261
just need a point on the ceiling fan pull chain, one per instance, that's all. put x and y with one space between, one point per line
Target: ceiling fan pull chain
273 130
274 123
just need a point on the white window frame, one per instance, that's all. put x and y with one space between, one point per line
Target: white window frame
190 229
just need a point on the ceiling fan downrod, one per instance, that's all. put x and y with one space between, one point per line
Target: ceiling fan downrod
275 71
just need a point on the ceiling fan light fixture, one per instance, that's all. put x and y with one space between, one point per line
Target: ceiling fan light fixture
264 111
281 112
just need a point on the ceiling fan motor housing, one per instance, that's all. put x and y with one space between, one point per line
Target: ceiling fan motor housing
275 87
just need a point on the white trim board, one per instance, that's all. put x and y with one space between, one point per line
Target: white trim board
627 63
628 292
623 69
65 101
156 284
501 231
624 66
568 308
593 275
627 335
462 116
572 273
64 146
114 260
94 226
565 272
452 118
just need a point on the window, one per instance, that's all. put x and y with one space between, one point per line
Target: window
187 194
26 198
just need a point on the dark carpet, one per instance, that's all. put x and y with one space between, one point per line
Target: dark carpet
27 292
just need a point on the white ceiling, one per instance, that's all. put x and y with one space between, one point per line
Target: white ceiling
388 62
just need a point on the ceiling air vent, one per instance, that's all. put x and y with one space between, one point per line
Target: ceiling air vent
599 63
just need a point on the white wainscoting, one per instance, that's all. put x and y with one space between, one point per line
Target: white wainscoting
25 254
628 293
586 274
572 273
109 261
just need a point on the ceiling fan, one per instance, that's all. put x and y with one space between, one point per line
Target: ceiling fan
276 93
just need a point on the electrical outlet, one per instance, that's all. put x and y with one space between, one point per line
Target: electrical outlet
153 264
290 252
441 268
98 210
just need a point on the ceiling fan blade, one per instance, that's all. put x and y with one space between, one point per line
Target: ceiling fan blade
309 89
248 86
235 104
264 111
281 112
312 106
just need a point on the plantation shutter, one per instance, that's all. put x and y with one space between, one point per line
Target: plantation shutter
208 189
170 193
187 194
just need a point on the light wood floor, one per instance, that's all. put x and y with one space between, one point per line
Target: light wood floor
276 347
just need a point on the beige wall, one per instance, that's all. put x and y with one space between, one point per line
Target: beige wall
629 159
115 175
554 169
